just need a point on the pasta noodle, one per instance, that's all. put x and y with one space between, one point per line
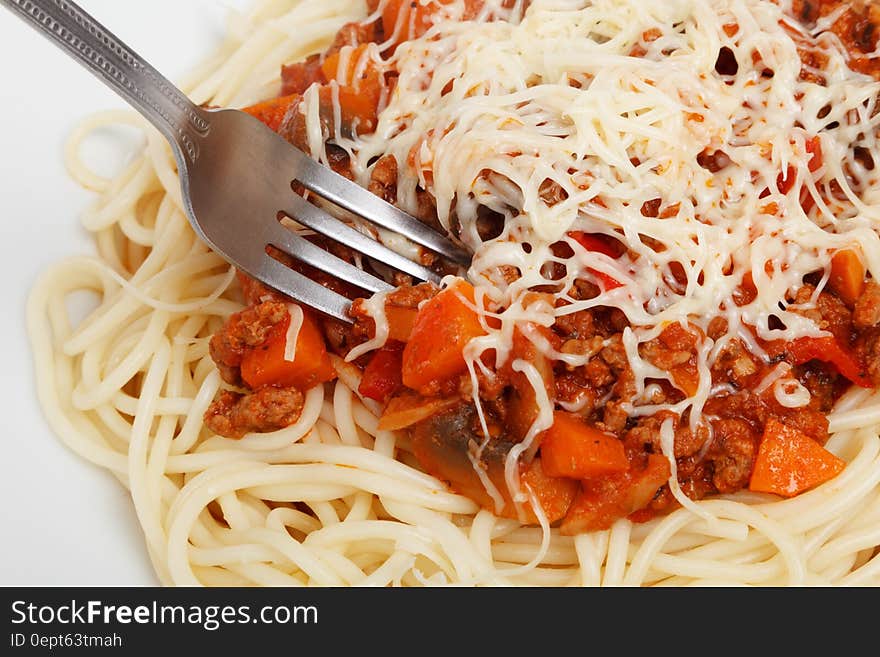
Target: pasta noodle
332 500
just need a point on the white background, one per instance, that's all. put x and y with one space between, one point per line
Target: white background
64 521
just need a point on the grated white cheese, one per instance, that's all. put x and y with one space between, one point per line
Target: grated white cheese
612 102
292 335
575 114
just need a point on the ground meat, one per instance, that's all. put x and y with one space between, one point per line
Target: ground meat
829 312
298 77
645 437
867 348
598 373
578 325
355 34
255 292
735 365
658 353
733 452
614 354
404 298
411 296
867 308
572 389
615 416
383 178
248 328
268 409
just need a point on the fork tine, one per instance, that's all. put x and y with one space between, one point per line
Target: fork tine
300 248
303 289
321 222
350 196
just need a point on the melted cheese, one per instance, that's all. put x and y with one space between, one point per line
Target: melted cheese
611 103
291 337
577 115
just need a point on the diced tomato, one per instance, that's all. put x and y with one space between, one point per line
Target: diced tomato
785 180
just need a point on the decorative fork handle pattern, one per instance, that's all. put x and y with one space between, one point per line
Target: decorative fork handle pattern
123 70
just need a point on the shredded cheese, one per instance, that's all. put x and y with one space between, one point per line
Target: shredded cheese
292 335
577 115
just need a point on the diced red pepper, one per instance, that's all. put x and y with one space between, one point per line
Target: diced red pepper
829 350
383 374
598 245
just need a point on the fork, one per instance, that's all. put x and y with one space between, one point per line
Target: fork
237 176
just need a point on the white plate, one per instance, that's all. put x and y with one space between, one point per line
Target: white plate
65 521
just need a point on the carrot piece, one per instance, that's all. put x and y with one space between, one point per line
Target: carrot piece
523 406
361 104
400 322
272 112
265 365
443 327
353 55
572 448
790 462
357 92
847 278
382 376
603 500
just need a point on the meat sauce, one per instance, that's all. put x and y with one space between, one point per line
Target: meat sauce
717 457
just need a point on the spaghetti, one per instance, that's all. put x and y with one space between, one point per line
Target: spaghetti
333 499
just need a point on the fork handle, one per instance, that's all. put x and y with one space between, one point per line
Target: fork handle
142 86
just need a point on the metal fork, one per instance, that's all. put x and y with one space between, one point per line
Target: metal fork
236 174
